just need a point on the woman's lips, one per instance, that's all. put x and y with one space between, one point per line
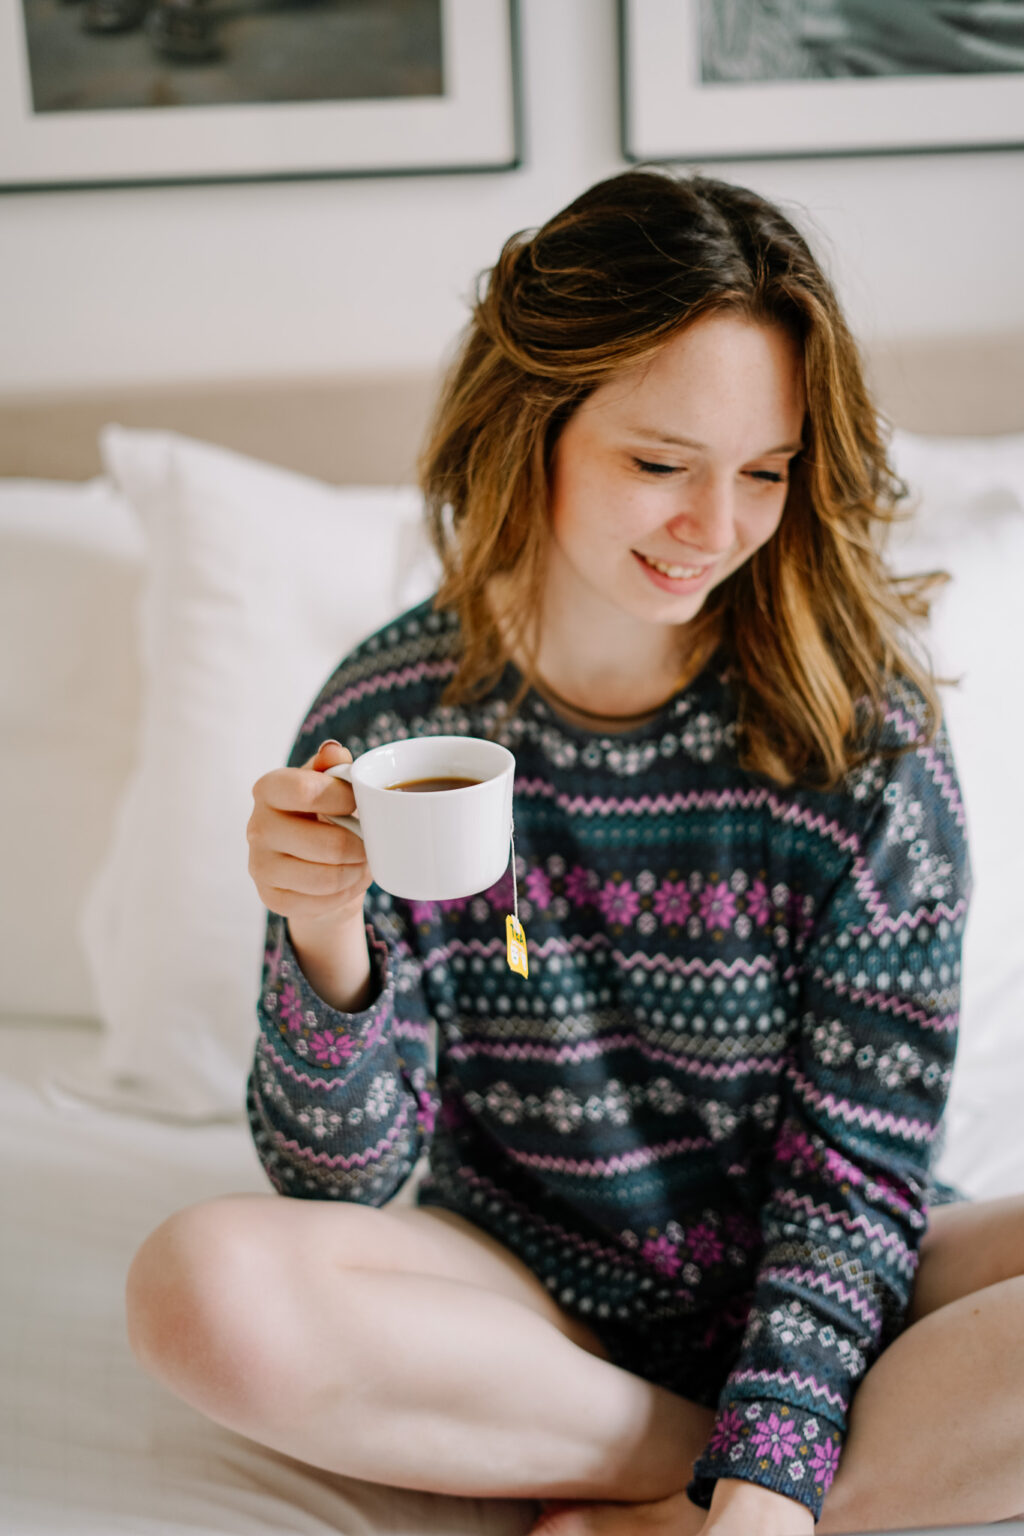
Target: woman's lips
671 576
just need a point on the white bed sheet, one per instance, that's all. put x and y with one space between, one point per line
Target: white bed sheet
89 1446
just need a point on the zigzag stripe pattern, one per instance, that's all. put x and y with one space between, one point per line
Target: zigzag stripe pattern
728 969
787 812
574 1054
609 1167
486 949
408 1029
339 1160
829 1285
874 1231
882 1120
945 1022
790 1380
939 771
882 920
403 677
295 1075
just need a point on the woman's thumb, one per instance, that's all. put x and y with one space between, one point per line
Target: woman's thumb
328 754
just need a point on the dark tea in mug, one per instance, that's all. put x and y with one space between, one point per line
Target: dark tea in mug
430 786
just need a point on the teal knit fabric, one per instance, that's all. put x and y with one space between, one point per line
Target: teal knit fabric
706 1121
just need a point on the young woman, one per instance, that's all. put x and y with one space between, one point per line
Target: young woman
677 1258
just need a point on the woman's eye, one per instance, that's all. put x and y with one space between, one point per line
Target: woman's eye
773 476
646 467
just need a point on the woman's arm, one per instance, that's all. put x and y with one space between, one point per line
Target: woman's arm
335 960
340 1098
341 1104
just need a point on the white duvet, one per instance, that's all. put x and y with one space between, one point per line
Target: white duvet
88 1444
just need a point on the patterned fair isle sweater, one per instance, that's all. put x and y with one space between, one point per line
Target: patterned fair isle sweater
706 1120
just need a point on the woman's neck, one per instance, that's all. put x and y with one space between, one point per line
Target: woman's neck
615 687
598 667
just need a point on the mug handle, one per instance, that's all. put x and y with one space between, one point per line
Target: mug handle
351 823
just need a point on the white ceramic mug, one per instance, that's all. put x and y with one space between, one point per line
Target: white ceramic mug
441 844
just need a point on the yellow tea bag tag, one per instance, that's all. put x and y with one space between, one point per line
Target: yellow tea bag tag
515 938
516 946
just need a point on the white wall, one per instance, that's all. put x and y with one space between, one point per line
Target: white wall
177 283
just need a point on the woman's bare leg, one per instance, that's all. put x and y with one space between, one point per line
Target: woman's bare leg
936 1431
401 1346
937 1426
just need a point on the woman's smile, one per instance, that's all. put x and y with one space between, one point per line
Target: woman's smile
673 577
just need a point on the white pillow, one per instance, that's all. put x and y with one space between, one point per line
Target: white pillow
258 581
970 521
70 578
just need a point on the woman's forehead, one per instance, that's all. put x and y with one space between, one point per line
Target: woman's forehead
720 367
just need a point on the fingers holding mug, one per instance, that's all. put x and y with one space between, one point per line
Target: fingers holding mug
298 860
331 755
342 772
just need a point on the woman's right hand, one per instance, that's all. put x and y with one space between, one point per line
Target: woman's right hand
314 873
304 867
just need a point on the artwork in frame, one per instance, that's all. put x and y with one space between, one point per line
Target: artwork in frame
137 92
757 79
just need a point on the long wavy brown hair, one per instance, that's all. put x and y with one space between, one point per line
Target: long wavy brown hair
814 626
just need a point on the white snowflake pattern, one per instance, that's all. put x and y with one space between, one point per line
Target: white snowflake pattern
791 1325
381 1096
703 737
831 1043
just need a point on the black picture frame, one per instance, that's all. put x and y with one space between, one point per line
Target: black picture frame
669 114
475 127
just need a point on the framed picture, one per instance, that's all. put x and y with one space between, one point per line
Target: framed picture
133 92
760 79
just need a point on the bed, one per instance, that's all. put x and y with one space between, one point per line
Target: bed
179 571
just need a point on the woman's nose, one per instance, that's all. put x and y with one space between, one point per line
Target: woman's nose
708 523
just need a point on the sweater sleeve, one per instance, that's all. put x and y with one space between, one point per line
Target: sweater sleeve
876 993
342 1105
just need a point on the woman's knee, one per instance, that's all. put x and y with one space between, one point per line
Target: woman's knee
197 1298
224 1298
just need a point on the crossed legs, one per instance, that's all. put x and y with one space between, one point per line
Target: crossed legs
397 1345
406 1347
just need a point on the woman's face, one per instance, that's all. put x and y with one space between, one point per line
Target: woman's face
670 476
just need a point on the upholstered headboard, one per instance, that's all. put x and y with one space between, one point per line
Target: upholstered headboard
367 429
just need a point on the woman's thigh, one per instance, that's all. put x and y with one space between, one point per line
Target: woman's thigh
967 1246
290 1239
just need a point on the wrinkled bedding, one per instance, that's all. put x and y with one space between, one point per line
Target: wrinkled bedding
88 1444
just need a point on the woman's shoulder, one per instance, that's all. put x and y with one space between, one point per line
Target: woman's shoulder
903 797
900 739
422 631
403 664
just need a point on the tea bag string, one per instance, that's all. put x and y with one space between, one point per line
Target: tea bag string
515 885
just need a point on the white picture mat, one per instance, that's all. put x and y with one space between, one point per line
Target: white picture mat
670 114
472 124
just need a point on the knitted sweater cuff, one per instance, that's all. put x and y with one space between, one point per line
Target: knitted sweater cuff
773 1444
306 1026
